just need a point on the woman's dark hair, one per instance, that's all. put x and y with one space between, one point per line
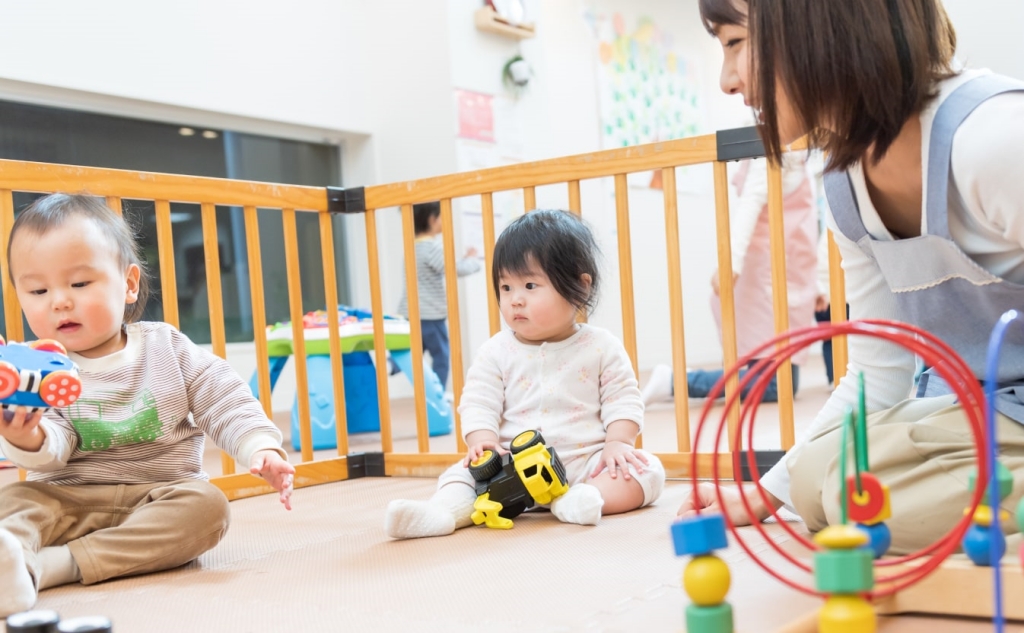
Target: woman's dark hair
54 210
854 70
423 214
717 13
557 242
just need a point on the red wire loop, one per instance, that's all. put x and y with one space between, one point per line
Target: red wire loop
772 354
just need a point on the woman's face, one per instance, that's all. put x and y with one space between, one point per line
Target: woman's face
736 78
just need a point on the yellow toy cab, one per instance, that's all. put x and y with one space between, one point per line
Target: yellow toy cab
510 484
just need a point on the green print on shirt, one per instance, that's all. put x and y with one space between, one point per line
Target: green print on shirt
97 435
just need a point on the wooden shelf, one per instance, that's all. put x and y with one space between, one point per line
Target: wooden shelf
487 20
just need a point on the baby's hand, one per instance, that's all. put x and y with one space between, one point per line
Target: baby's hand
22 429
619 455
278 473
476 450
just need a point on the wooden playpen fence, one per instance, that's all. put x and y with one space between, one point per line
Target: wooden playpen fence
208 193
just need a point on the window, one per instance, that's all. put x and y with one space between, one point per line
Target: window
54 135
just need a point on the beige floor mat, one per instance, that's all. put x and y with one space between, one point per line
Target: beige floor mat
327 566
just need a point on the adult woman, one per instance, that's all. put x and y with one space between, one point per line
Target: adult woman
923 169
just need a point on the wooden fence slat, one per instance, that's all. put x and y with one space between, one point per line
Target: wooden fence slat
333 338
626 274
114 203
677 153
675 301
575 205
380 353
259 309
529 199
165 247
780 296
454 321
415 330
837 297
295 312
47 178
725 287
218 337
12 308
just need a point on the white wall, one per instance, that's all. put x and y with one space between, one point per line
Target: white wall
989 34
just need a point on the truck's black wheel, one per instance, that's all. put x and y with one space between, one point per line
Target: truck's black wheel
486 466
525 440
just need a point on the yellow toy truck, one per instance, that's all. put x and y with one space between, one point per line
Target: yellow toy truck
510 484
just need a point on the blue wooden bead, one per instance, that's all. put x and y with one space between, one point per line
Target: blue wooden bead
881 538
698 535
976 544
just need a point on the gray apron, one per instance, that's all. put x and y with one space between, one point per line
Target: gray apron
936 286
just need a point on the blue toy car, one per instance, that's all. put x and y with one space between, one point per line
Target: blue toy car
37 375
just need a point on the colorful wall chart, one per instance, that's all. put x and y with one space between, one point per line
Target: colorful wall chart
648 92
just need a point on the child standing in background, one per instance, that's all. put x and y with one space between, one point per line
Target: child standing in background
430 285
116 486
752 270
572 382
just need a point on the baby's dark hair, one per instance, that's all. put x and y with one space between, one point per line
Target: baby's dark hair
423 214
560 244
53 210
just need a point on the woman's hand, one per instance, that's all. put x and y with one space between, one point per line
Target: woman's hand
707 500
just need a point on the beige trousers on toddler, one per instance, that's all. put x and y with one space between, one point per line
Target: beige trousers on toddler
116 530
924 451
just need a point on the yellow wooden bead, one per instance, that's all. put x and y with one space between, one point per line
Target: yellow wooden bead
846 614
706 580
841 537
983 515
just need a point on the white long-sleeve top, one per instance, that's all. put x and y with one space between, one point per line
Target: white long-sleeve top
988 150
143 413
570 391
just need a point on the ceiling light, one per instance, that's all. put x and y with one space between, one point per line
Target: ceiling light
209 134
186 131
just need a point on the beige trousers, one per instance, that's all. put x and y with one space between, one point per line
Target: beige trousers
924 451
116 530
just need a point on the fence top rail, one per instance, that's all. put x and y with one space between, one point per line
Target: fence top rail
139 185
678 153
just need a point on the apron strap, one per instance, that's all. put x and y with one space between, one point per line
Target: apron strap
957 107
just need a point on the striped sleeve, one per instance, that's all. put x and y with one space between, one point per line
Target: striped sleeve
222 404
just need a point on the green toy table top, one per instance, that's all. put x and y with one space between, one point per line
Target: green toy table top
355 337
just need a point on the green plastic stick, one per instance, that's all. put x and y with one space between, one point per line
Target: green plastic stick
847 423
860 443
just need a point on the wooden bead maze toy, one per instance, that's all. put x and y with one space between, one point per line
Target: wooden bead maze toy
850 569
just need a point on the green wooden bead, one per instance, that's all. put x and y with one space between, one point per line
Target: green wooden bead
1020 515
716 619
1003 475
844 571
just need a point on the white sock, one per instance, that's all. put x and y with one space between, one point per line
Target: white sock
17 592
448 510
581 505
57 567
659 385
